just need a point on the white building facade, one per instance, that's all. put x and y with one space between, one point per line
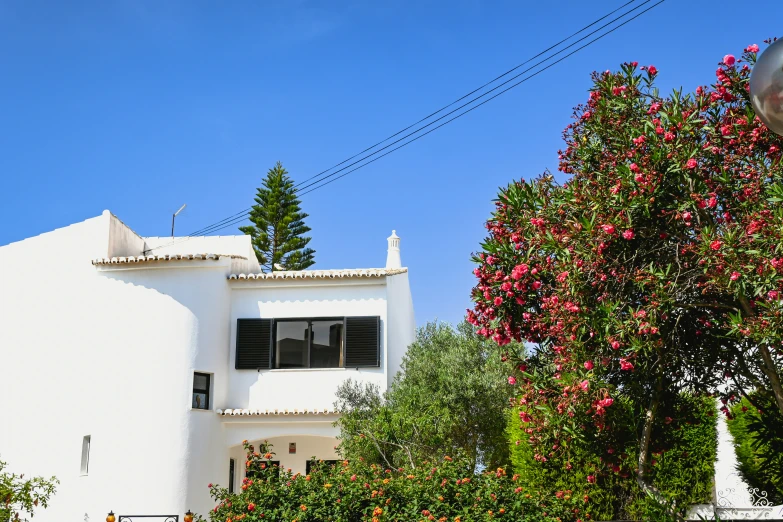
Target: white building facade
133 368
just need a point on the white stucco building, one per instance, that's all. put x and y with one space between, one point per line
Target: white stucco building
132 368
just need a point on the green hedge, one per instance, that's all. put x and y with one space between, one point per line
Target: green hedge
758 442
684 472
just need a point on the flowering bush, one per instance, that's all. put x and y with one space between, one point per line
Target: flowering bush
656 268
20 496
354 491
684 472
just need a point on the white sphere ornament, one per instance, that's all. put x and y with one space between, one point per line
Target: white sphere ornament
766 87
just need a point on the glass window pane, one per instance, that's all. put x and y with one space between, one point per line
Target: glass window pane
199 400
200 381
291 344
327 346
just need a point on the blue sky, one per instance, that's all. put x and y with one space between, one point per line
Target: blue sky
140 106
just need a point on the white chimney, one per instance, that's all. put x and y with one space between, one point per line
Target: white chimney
393 254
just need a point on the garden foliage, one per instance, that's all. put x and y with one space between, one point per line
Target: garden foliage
758 441
684 473
20 497
354 491
655 269
450 396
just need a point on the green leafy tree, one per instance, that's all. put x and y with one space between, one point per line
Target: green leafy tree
278 229
450 398
20 496
655 269
684 471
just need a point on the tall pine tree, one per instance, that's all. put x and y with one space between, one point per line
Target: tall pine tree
278 227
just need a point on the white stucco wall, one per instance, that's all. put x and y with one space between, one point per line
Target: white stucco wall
401 321
87 355
110 352
301 388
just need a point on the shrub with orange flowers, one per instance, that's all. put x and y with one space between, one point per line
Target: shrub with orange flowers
356 491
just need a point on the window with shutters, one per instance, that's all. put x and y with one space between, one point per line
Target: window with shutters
302 343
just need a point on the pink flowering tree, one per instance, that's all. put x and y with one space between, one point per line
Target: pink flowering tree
656 269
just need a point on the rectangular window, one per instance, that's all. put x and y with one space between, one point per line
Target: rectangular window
85 454
201 390
231 467
309 343
332 342
324 464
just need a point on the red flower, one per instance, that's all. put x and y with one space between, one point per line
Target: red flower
652 70
753 48
628 234
591 479
735 276
686 216
519 271
691 163
588 365
615 345
729 60
498 301
512 380
536 285
715 245
773 295
609 229
584 385
251 507
625 365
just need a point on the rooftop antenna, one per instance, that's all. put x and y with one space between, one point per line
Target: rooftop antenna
175 215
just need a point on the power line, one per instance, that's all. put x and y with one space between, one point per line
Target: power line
468 94
481 95
483 102
242 215
232 219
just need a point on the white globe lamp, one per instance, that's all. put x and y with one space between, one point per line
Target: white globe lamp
766 87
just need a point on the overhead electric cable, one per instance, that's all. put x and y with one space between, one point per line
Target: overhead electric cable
477 89
488 92
242 215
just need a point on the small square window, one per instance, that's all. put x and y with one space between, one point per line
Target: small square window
85 454
201 384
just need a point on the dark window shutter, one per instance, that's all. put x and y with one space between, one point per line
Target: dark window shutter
254 344
362 341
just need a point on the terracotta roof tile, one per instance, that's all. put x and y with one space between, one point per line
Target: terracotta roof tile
166 257
321 274
259 413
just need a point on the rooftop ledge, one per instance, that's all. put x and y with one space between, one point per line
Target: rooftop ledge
256 412
320 274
